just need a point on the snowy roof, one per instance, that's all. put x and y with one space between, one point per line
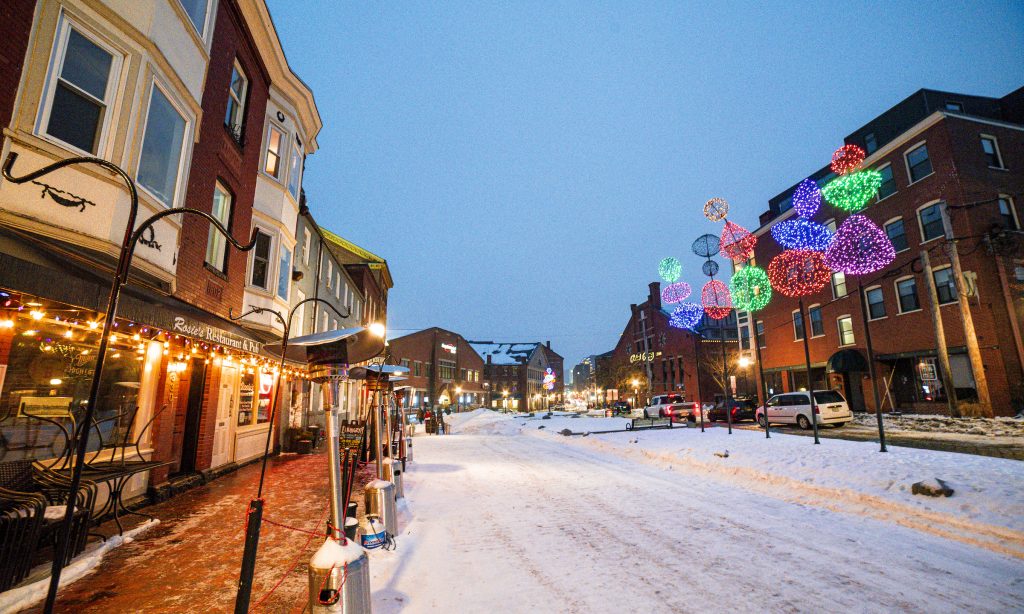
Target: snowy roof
504 353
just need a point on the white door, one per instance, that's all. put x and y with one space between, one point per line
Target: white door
223 435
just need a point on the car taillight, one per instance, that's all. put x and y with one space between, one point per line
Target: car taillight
817 409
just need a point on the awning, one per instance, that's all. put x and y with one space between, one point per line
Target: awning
845 361
342 346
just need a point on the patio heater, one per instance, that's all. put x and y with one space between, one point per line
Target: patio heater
339 572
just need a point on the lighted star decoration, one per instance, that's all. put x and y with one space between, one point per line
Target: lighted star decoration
853 192
716 209
860 247
807 198
801 233
797 273
669 269
675 293
750 288
686 316
847 159
737 242
716 299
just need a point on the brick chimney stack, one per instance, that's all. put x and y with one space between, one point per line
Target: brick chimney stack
655 297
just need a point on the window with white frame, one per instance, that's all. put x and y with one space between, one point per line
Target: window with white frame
300 313
932 226
275 141
160 159
234 117
814 315
295 171
798 326
323 326
330 272
82 87
906 291
876 303
1008 213
845 324
897 234
888 186
838 285
216 242
945 286
307 240
196 11
919 165
284 273
990 147
759 325
261 261
337 286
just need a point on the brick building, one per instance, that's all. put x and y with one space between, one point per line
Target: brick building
952 166
444 369
514 374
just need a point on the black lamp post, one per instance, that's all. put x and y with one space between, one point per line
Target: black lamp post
131 238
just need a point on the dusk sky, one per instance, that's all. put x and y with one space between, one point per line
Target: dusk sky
524 166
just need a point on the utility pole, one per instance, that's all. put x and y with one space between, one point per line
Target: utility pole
971 337
940 337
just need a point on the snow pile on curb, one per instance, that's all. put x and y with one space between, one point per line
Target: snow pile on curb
997 427
24 597
483 422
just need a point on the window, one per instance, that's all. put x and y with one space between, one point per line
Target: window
82 89
845 324
160 160
918 164
295 171
745 338
323 327
954 106
945 286
798 326
991 149
894 230
931 222
906 290
234 117
876 303
831 225
445 369
196 11
888 187
216 243
838 285
306 243
760 334
272 165
817 326
284 273
261 260
330 272
870 144
1008 213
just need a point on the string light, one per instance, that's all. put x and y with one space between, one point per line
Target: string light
847 159
716 209
8 323
750 288
706 245
860 247
716 299
686 316
801 233
675 293
709 268
807 198
36 314
853 192
669 269
737 242
797 272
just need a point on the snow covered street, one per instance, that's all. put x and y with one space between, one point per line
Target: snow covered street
505 517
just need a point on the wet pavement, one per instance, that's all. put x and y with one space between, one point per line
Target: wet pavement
190 561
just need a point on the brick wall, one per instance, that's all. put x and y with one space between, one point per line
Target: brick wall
16 25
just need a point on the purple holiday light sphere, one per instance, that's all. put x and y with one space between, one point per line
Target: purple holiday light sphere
807 198
860 247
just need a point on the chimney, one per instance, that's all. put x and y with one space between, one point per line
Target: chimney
655 297
548 343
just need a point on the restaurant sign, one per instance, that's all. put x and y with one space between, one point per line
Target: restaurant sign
214 335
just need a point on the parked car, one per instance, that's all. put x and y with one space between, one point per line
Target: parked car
741 409
795 408
670 405
617 408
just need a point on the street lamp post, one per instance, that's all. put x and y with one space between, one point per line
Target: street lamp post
636 392
458 399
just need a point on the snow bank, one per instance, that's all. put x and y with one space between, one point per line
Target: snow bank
997 427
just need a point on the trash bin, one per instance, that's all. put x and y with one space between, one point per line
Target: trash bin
351 527
379 498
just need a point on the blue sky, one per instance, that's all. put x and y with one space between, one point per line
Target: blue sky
524 166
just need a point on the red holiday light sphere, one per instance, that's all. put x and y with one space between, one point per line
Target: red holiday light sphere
798 272
847 159
716 299
737 242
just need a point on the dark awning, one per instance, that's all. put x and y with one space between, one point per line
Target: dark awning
846 360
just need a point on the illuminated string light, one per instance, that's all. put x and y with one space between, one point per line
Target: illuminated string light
716 209
800 233
847 159
716 299
750 288
807 198
797 273
860 247
709 268
853 192
686 316
669 269
706 245
675 293
737 242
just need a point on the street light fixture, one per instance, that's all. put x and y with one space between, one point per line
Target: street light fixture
636 392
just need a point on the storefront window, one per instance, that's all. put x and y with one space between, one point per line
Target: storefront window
255 391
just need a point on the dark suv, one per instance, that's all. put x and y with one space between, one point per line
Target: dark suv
742 409
617 408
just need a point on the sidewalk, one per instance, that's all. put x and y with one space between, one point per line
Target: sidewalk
190 561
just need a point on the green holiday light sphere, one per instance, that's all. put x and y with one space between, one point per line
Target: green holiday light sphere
670 269
750 288
853 192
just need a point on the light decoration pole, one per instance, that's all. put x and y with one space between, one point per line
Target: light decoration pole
752 291
860 248
686 316
715 294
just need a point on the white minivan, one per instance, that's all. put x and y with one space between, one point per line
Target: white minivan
795 408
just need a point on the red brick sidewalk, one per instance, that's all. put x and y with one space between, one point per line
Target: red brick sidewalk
190 561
